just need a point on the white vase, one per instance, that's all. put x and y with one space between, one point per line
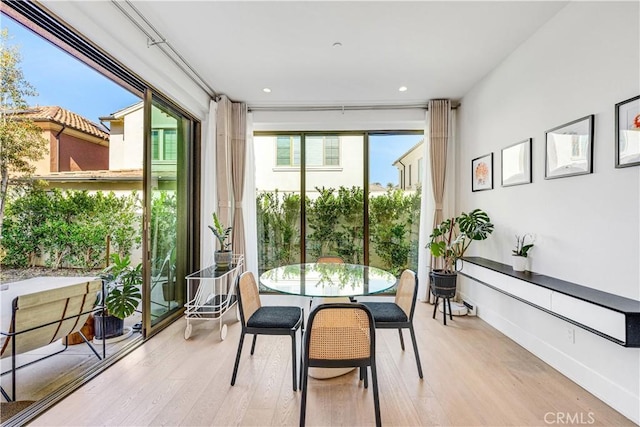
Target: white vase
519 263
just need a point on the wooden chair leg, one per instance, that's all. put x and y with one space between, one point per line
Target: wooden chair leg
253 344
293 361
401 339
376 398
303 400
415 349
235 366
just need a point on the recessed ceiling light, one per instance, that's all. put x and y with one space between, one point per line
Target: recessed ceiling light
402 89
266 90
337 44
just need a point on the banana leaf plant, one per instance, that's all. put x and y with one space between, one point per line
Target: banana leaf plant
452 237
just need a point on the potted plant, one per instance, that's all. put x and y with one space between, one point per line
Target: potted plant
224 255
121 296
521 251
449 242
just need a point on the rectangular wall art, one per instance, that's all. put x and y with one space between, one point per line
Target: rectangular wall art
628 133
569 149
482 173
516 163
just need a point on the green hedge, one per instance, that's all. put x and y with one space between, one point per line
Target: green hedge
69 228
335 226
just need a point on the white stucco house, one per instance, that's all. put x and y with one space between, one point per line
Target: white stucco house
410 166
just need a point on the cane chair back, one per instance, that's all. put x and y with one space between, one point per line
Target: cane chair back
405 294
249 296
340 334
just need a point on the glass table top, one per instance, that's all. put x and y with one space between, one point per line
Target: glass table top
328 280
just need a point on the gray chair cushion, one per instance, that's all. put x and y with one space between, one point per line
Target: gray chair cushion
275 317
386 312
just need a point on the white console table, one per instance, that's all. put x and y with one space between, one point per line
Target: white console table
610 316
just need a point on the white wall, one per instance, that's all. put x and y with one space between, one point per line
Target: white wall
126 141
583 61
347 173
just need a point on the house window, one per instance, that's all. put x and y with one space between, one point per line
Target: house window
288 151
409 175
420 169
320 151
164 144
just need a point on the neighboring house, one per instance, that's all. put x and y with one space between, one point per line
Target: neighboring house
75 143
331 161
127 139
410 166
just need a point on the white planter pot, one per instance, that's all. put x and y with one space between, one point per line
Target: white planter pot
519 263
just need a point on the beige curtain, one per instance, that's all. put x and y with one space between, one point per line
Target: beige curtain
439 139
238 155
223 160
230 165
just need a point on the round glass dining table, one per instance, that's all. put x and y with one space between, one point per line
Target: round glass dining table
327 283
327 280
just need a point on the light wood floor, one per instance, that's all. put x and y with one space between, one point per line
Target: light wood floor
473 376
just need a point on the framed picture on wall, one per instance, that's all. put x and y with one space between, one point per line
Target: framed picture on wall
515 162
628 133
569 149
482 173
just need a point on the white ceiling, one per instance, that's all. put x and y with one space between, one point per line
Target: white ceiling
436 49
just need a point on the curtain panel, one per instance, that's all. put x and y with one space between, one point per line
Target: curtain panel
230 167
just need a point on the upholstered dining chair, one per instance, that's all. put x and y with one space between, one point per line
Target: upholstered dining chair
399 314
270 320
340 335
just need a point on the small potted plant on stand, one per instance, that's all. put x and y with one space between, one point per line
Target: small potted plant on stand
122 296
224 256
449 242
521 251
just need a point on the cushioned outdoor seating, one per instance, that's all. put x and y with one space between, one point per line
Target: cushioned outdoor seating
399 314
271 320
41 318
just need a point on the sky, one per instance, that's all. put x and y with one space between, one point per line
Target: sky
62 80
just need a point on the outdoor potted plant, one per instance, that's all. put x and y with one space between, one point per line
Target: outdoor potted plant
521 251
224 255
122 296
449 242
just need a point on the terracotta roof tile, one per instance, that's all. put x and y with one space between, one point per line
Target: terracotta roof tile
65 117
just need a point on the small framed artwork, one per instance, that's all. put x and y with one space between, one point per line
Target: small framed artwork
482 173
628 133
569 149
516 163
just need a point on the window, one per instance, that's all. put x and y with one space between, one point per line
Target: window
420 169
164 144
320 151
288 151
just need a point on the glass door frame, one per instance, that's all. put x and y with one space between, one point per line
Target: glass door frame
188 235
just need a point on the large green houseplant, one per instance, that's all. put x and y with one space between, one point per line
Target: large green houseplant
122 296
451 239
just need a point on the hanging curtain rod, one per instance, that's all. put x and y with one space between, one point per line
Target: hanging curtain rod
293 108
160 41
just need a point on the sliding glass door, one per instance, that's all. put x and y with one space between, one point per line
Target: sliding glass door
334 209
355 195
170 143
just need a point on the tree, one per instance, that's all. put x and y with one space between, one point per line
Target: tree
21 140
